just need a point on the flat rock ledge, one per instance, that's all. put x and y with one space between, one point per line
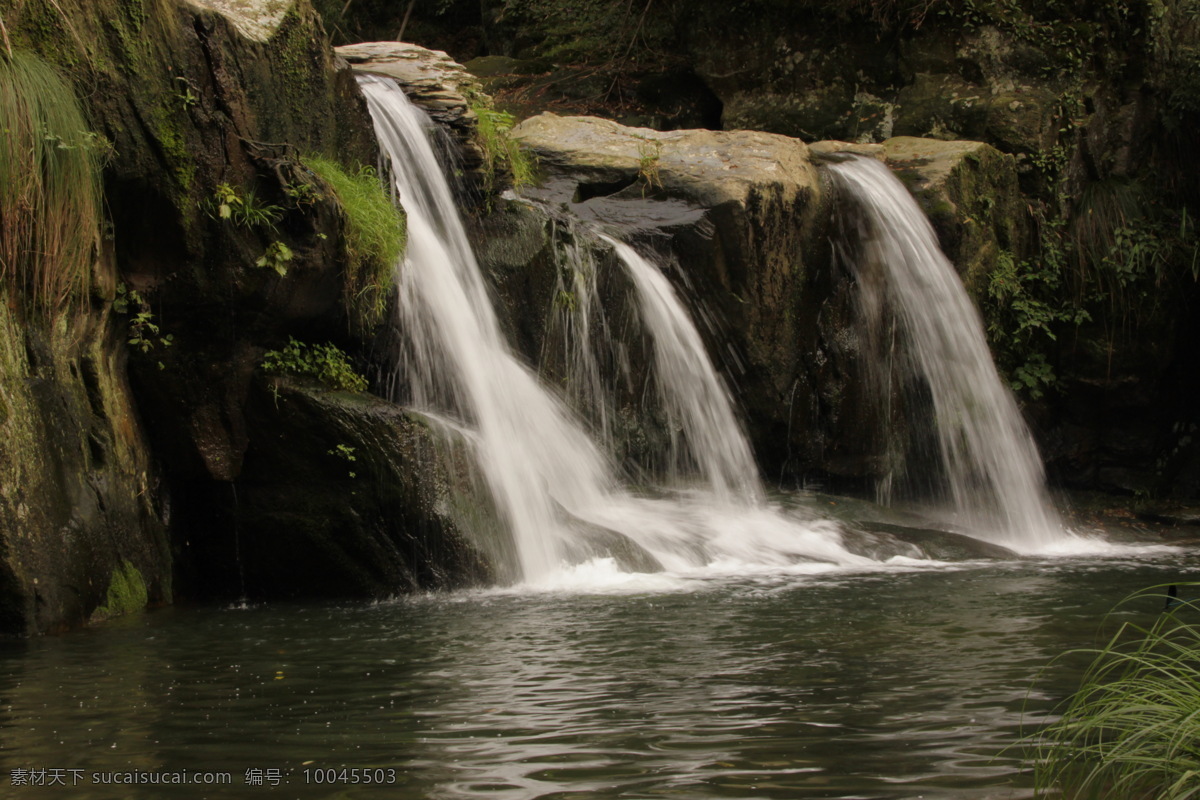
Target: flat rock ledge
431 79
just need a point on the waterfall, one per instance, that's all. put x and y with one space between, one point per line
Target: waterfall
537 462
994 476
553 488
698 406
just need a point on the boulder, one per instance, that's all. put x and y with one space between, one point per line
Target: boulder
343 494
255 19
737 218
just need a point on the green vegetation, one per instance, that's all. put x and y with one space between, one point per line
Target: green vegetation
143 331
244 210
1112 264
500 151
346 453
325 362
277 256
126 593
649 155
1132 730
374 235
49 186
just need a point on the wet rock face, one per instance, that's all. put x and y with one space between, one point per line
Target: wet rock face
970 193
744 223
79 497
341 495
737 217
200 101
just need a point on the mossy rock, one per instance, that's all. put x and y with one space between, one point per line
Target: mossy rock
127 593
970 193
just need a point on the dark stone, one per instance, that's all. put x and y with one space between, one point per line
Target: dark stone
341 495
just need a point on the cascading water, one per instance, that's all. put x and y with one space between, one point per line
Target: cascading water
535 460
994 476
697 403
553 488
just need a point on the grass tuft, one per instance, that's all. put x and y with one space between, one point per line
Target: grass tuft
374 236
1132 730
500 151
50 194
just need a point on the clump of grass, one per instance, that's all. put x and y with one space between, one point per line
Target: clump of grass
325 362
649 163
374 238
1132 730
50 193
500 151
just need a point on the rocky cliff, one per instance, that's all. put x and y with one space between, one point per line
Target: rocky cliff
130 407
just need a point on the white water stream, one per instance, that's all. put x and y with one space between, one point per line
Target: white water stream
555 491
995 478
700 413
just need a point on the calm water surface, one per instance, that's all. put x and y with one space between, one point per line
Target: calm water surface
903 681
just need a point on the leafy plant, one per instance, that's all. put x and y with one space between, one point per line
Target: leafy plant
253 214
302 194
374 235
224 199
246 211
143 334
1132 729
346 453
277 256
325 362
1026 309
185 95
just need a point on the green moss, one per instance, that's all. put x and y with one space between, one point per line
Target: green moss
373 236
126 593
295 64
170 138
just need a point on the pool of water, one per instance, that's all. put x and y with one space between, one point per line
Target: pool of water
908 679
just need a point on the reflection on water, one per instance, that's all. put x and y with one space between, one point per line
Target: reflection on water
897 683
